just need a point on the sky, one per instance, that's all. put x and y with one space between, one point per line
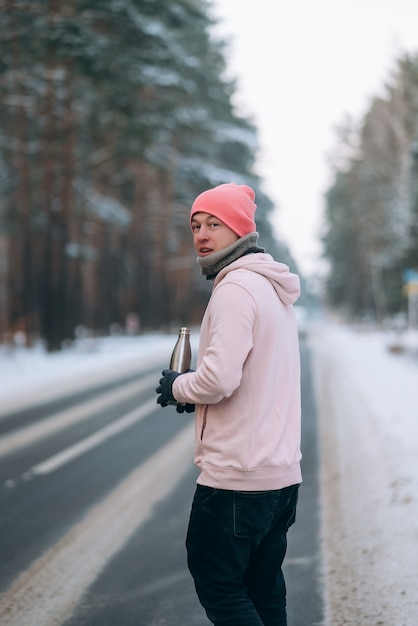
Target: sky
302 67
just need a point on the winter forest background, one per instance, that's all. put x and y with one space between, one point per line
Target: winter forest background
114 115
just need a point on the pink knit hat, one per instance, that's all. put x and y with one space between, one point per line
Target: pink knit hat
232 204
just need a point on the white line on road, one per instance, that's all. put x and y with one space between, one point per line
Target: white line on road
69 454
44 388
48 592
59 421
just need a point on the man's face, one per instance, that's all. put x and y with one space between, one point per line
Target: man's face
210 234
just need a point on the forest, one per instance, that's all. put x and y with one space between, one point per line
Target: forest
371 207
114 115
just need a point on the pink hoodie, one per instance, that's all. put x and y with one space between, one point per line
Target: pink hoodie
247 384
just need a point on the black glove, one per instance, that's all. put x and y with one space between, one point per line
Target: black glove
165 386
189 408
166 394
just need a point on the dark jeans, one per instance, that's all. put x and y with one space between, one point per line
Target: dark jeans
236 543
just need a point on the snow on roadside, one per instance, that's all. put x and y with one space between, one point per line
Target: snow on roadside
367 396
30 376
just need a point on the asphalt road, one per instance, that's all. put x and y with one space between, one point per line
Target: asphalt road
95 491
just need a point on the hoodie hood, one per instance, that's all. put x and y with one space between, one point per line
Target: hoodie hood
286 284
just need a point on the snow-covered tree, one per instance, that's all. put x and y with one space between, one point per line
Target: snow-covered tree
371 219
115 114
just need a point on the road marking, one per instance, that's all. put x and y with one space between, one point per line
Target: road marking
59 421
48 592
72 452
89 376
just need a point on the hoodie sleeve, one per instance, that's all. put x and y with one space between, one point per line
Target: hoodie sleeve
232 311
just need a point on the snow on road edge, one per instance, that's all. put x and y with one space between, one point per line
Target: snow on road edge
367 411
30 376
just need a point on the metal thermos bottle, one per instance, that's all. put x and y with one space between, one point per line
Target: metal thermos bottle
182 354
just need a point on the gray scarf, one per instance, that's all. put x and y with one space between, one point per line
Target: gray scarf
212 264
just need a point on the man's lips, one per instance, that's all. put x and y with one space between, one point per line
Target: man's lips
205 251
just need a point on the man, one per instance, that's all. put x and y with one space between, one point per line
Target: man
246 390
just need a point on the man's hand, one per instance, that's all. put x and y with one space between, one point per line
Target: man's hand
166 394
189 408
165 387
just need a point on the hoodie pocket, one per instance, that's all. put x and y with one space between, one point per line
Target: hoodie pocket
204 416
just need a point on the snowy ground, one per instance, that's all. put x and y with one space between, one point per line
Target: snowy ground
367 392
32 376
367 395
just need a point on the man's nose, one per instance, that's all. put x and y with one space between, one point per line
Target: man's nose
203 233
